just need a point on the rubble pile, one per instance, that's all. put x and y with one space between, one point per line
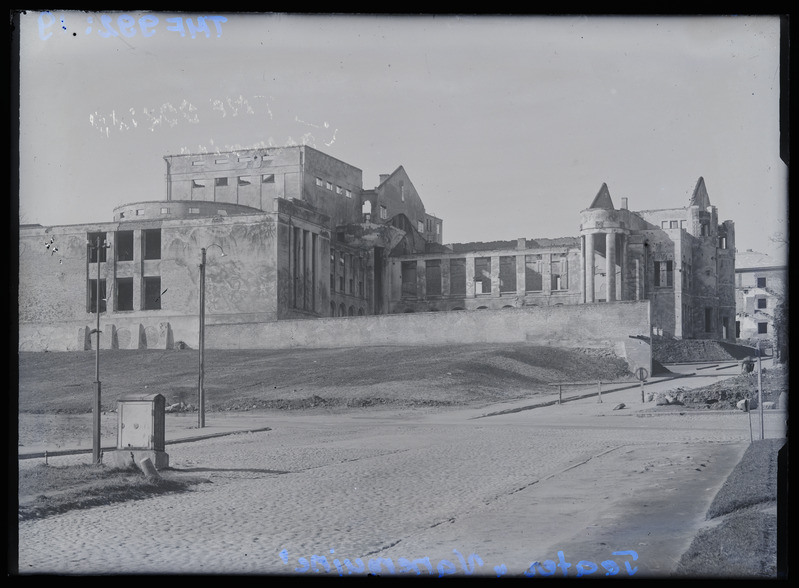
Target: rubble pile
729 394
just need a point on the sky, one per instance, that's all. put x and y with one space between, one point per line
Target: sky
507 126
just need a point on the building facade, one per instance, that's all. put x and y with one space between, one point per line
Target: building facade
681 259
760 287
291 233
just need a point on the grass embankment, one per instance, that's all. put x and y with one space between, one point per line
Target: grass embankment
62 382
741 541
46 490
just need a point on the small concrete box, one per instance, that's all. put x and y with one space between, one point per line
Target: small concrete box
141 430
141 422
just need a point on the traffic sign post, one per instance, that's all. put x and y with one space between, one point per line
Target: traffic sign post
642 374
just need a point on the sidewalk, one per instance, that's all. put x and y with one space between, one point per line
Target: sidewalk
178 429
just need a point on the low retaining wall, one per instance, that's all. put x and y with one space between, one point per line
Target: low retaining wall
621 326
116 333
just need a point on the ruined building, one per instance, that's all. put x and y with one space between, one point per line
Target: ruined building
291 233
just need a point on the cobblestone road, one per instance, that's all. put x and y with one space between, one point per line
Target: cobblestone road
320 492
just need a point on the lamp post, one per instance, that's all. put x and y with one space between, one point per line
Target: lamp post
760 392
97 247
201 378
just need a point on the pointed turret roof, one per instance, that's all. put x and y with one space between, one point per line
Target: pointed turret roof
602 199
699 197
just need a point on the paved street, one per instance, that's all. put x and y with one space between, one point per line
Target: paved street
337 493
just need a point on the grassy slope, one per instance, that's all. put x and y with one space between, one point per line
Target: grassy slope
235 379
743 542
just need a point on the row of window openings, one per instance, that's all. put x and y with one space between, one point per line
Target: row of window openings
165 210
223 182
704 230
762 329
427 225
759 283
151 294
342 281
224 161
332 187
431 225
664 275
123 245
482 281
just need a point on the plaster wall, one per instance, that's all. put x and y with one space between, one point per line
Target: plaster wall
253 177
53 285
399 196
336 177
622 326
53 301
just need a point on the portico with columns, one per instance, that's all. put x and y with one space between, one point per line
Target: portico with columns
604 233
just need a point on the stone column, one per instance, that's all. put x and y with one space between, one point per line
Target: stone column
138 268
521 275
308 282
318 274
610 266
546 274
300 280
581 273
623 294
495 275
470 276
292 267
421 279
588 268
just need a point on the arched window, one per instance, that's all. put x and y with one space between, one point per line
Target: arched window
332 309
352 311
342 310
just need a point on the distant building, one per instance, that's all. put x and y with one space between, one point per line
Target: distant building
760 287
291 233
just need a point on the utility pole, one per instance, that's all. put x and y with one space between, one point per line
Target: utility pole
201 382
201 379
97 247
760 392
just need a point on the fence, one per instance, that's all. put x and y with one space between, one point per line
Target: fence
598 384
